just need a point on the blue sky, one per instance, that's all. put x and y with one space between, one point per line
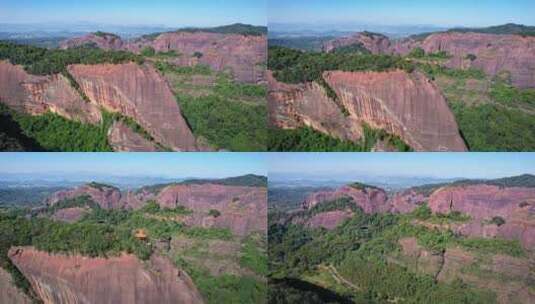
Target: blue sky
136 164
440 165
404 12
173 13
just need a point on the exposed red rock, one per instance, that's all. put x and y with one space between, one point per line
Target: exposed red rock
244 55
243 209
38 94
407 105
104 41
139 92
69 214
483 202
329 220
123 139
406 201
106 197
122 279
9 293
494 53
371 200
375 43
420 259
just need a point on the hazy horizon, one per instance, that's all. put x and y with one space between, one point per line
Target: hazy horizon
404 165
440 13
156 165
164 13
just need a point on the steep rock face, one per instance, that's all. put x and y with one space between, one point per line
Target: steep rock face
106 197
420 259
407 201
516 205
9 293
375 43
69 215
371 200
244 55
407 105
515 288
38 94
123 139
293 106
123 279
329 220
243 209
103 41
138 92
494 53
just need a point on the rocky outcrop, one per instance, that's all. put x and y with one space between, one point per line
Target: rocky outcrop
375 43
407 105
243 210
407 200
122 279
105 41
493 54
70 215
123 139
138 92
39 94
293 106
420 259
516 205
329 220
370 199
244 55
107 197
9 293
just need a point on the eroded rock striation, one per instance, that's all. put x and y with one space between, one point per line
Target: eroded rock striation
9 293
516 205
107 197
39 94
122 279
138 92
244 55
407 105
242 209
492 53
123 139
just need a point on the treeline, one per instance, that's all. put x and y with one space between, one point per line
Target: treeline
42 61
293 66
51 132
359 249
308 139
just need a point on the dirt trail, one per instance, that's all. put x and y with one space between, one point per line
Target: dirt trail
338 278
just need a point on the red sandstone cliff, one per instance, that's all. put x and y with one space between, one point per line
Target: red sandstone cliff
243 209
407 105
138 92
244 55
123 279
106 197
371 200
39 94
516 205
493 53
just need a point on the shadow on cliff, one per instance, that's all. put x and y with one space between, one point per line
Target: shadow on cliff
12 137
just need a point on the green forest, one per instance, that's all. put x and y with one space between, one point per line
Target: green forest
302 260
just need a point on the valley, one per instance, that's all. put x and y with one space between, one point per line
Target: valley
468 241
194 241
171 91
456 90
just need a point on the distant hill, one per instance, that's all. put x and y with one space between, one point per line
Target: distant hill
250 180
236 28
505 29
525 180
